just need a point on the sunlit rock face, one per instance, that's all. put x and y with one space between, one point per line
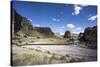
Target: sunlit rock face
89 37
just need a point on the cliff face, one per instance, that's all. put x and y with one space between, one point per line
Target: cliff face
22 24
89 37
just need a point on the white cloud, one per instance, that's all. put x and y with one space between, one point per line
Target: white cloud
92 18
37 25
78 28
70 26
77 9
73 28
29 19
55 19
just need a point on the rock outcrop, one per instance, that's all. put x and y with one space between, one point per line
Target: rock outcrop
46 31
89 37
67 34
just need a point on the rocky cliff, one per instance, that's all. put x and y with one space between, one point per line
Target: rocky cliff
22 24
89 37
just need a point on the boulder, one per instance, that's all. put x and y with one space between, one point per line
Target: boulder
67 34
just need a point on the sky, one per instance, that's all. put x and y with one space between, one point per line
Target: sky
59 17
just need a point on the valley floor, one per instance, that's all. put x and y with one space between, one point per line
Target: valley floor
50 54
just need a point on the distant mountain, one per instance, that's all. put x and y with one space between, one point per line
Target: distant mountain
21 25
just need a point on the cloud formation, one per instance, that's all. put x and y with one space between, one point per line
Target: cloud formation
29 19
78 28
55 19
70 26
92 18
37 25
77 9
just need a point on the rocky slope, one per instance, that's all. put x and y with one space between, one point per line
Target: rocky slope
89 37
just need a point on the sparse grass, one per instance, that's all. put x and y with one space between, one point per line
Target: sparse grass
30 59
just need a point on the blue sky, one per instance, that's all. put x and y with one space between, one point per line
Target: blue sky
59 17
